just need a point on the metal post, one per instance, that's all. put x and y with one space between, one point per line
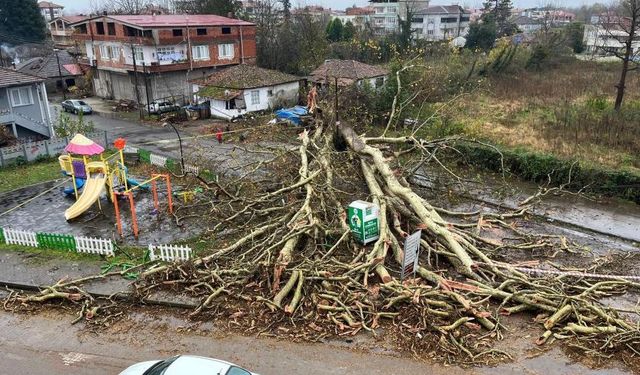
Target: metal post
135 80
146 85
64 92
336 100
180 142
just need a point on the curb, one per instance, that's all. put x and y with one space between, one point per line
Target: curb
122 296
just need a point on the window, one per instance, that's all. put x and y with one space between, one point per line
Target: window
201 31
82 29
233 370
100 28
104 52
200 52
226 30
464 19
391 20
255 97
269 93
379 10
166 50
430 32
448 20
225 51
138 53
21 96
177 32
379 82
417 20
147 34
391 9
114 52
111 28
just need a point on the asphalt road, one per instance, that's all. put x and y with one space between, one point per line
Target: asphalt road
47 344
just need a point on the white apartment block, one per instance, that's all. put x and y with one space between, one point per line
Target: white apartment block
387 12
441 22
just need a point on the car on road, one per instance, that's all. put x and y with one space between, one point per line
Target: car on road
186 365
162 106
76 106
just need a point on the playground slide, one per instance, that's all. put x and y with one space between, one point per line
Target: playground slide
79 186
94 186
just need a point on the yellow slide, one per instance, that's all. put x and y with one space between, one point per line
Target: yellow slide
91 192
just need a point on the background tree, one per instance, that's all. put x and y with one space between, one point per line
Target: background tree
349 31
21 23
623 24
334 30
574 33
219 7
286 9
482 35
118 6
499 12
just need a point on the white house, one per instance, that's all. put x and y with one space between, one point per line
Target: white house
528 25
441 22
607 40
49 10
243 88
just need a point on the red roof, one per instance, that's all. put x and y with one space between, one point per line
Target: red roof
74 69
179 20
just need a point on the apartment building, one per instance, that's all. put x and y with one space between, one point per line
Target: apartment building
359 17
441 22
62 32
387 13
155 56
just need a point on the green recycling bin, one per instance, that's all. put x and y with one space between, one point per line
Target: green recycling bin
364 221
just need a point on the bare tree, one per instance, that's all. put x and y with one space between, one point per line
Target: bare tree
119 6
621 27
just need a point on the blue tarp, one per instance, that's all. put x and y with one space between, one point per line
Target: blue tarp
292 114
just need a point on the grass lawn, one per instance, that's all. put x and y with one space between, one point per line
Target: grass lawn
15 177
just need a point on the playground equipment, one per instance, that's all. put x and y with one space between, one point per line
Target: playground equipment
109 174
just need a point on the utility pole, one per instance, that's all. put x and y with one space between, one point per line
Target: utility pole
135 80
146 86
64 91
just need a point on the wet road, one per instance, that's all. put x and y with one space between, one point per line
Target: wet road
47 344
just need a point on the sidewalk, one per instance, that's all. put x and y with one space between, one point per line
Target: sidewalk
32 271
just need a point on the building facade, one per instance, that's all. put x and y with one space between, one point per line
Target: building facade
442 22
608 40
62 32
50 11
386 13
150 57
24 106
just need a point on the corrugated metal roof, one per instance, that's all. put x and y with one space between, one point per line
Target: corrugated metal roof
10 77
177 20
47 67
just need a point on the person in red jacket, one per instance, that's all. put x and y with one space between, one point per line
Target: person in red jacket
219 135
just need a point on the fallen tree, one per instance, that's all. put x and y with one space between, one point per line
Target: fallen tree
281 253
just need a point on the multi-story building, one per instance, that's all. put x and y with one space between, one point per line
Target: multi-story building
608 39
147 57
441 22
49 10
359 17
556 17
388 12
62 32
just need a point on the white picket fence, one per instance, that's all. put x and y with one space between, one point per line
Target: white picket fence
170 253
191 169
20 237
94 246
130 149
158 160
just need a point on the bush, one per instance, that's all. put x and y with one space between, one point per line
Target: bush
68 126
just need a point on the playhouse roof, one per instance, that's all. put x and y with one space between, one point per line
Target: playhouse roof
81 145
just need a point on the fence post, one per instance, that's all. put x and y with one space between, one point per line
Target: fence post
106 140
1 159
24 152
46 148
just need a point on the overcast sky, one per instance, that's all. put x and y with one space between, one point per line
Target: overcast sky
75 6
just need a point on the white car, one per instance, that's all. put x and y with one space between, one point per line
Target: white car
186 365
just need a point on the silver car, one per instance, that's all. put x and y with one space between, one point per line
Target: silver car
76 106
186 365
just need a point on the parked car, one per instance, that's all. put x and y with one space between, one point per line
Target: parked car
162 106
186 365
76 106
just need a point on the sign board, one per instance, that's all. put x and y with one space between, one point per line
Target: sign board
363 221
410 260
